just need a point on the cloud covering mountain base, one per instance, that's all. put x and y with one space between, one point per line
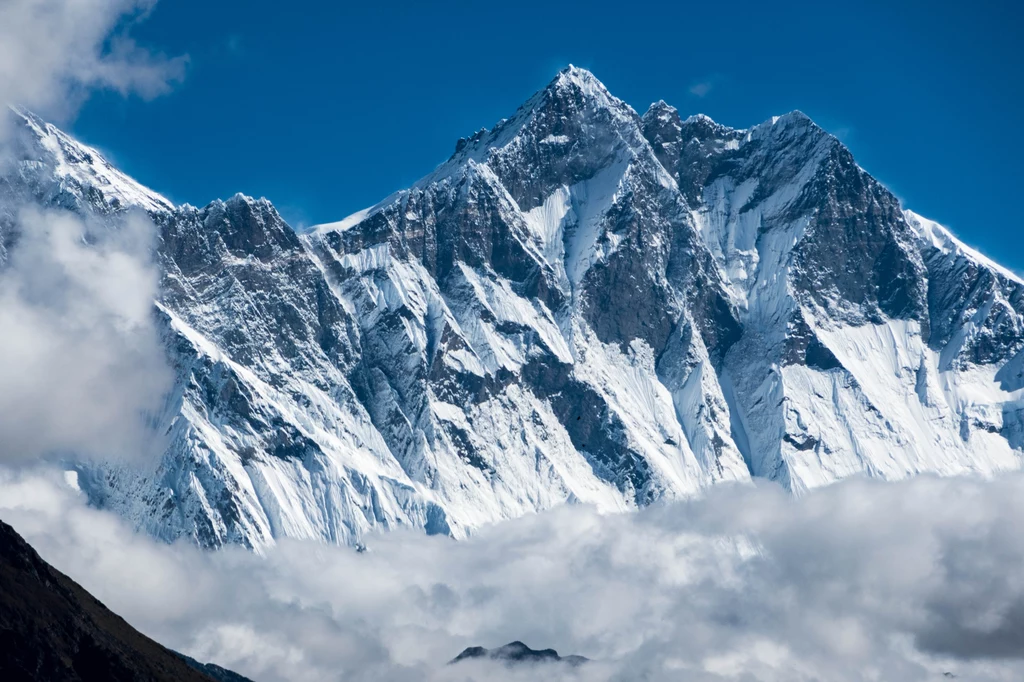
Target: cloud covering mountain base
857 581
81 361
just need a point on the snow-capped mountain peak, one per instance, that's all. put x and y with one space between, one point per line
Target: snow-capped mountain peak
579 82
943 239
47 154
580 305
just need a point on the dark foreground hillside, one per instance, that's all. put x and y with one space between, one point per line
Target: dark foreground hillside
52 629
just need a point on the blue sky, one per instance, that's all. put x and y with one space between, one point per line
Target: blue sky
325 107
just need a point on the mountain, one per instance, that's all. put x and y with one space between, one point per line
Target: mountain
517 653
582 304
213 670
52 629
873 340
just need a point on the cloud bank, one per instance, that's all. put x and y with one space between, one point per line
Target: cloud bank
859 581
81 364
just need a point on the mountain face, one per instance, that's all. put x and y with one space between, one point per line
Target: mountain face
873 340
582 304
52 629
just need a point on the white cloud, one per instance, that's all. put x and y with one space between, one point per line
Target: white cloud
859 581
53 52
81 363
80 359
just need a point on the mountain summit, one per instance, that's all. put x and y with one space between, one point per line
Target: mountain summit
581 305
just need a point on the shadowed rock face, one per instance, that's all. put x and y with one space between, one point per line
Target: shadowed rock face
52 629
517 653
581 305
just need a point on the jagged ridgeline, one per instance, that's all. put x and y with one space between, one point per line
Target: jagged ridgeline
582 304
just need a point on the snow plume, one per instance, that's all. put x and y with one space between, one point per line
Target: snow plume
81 362
53 52
857 581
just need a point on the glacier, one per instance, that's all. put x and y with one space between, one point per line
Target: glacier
582 305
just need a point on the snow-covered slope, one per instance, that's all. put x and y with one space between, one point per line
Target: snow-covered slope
41 164
581 305
63 172
502 273
869 344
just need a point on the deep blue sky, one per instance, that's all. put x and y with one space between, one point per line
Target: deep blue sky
327 107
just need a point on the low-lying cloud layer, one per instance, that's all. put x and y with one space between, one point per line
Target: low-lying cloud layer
81 363
859 581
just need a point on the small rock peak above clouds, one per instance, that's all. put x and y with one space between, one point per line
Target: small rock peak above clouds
517 653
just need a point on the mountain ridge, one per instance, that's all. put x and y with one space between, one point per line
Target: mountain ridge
582 304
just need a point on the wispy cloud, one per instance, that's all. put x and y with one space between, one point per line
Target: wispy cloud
54 52
843 133
701 88
235 45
